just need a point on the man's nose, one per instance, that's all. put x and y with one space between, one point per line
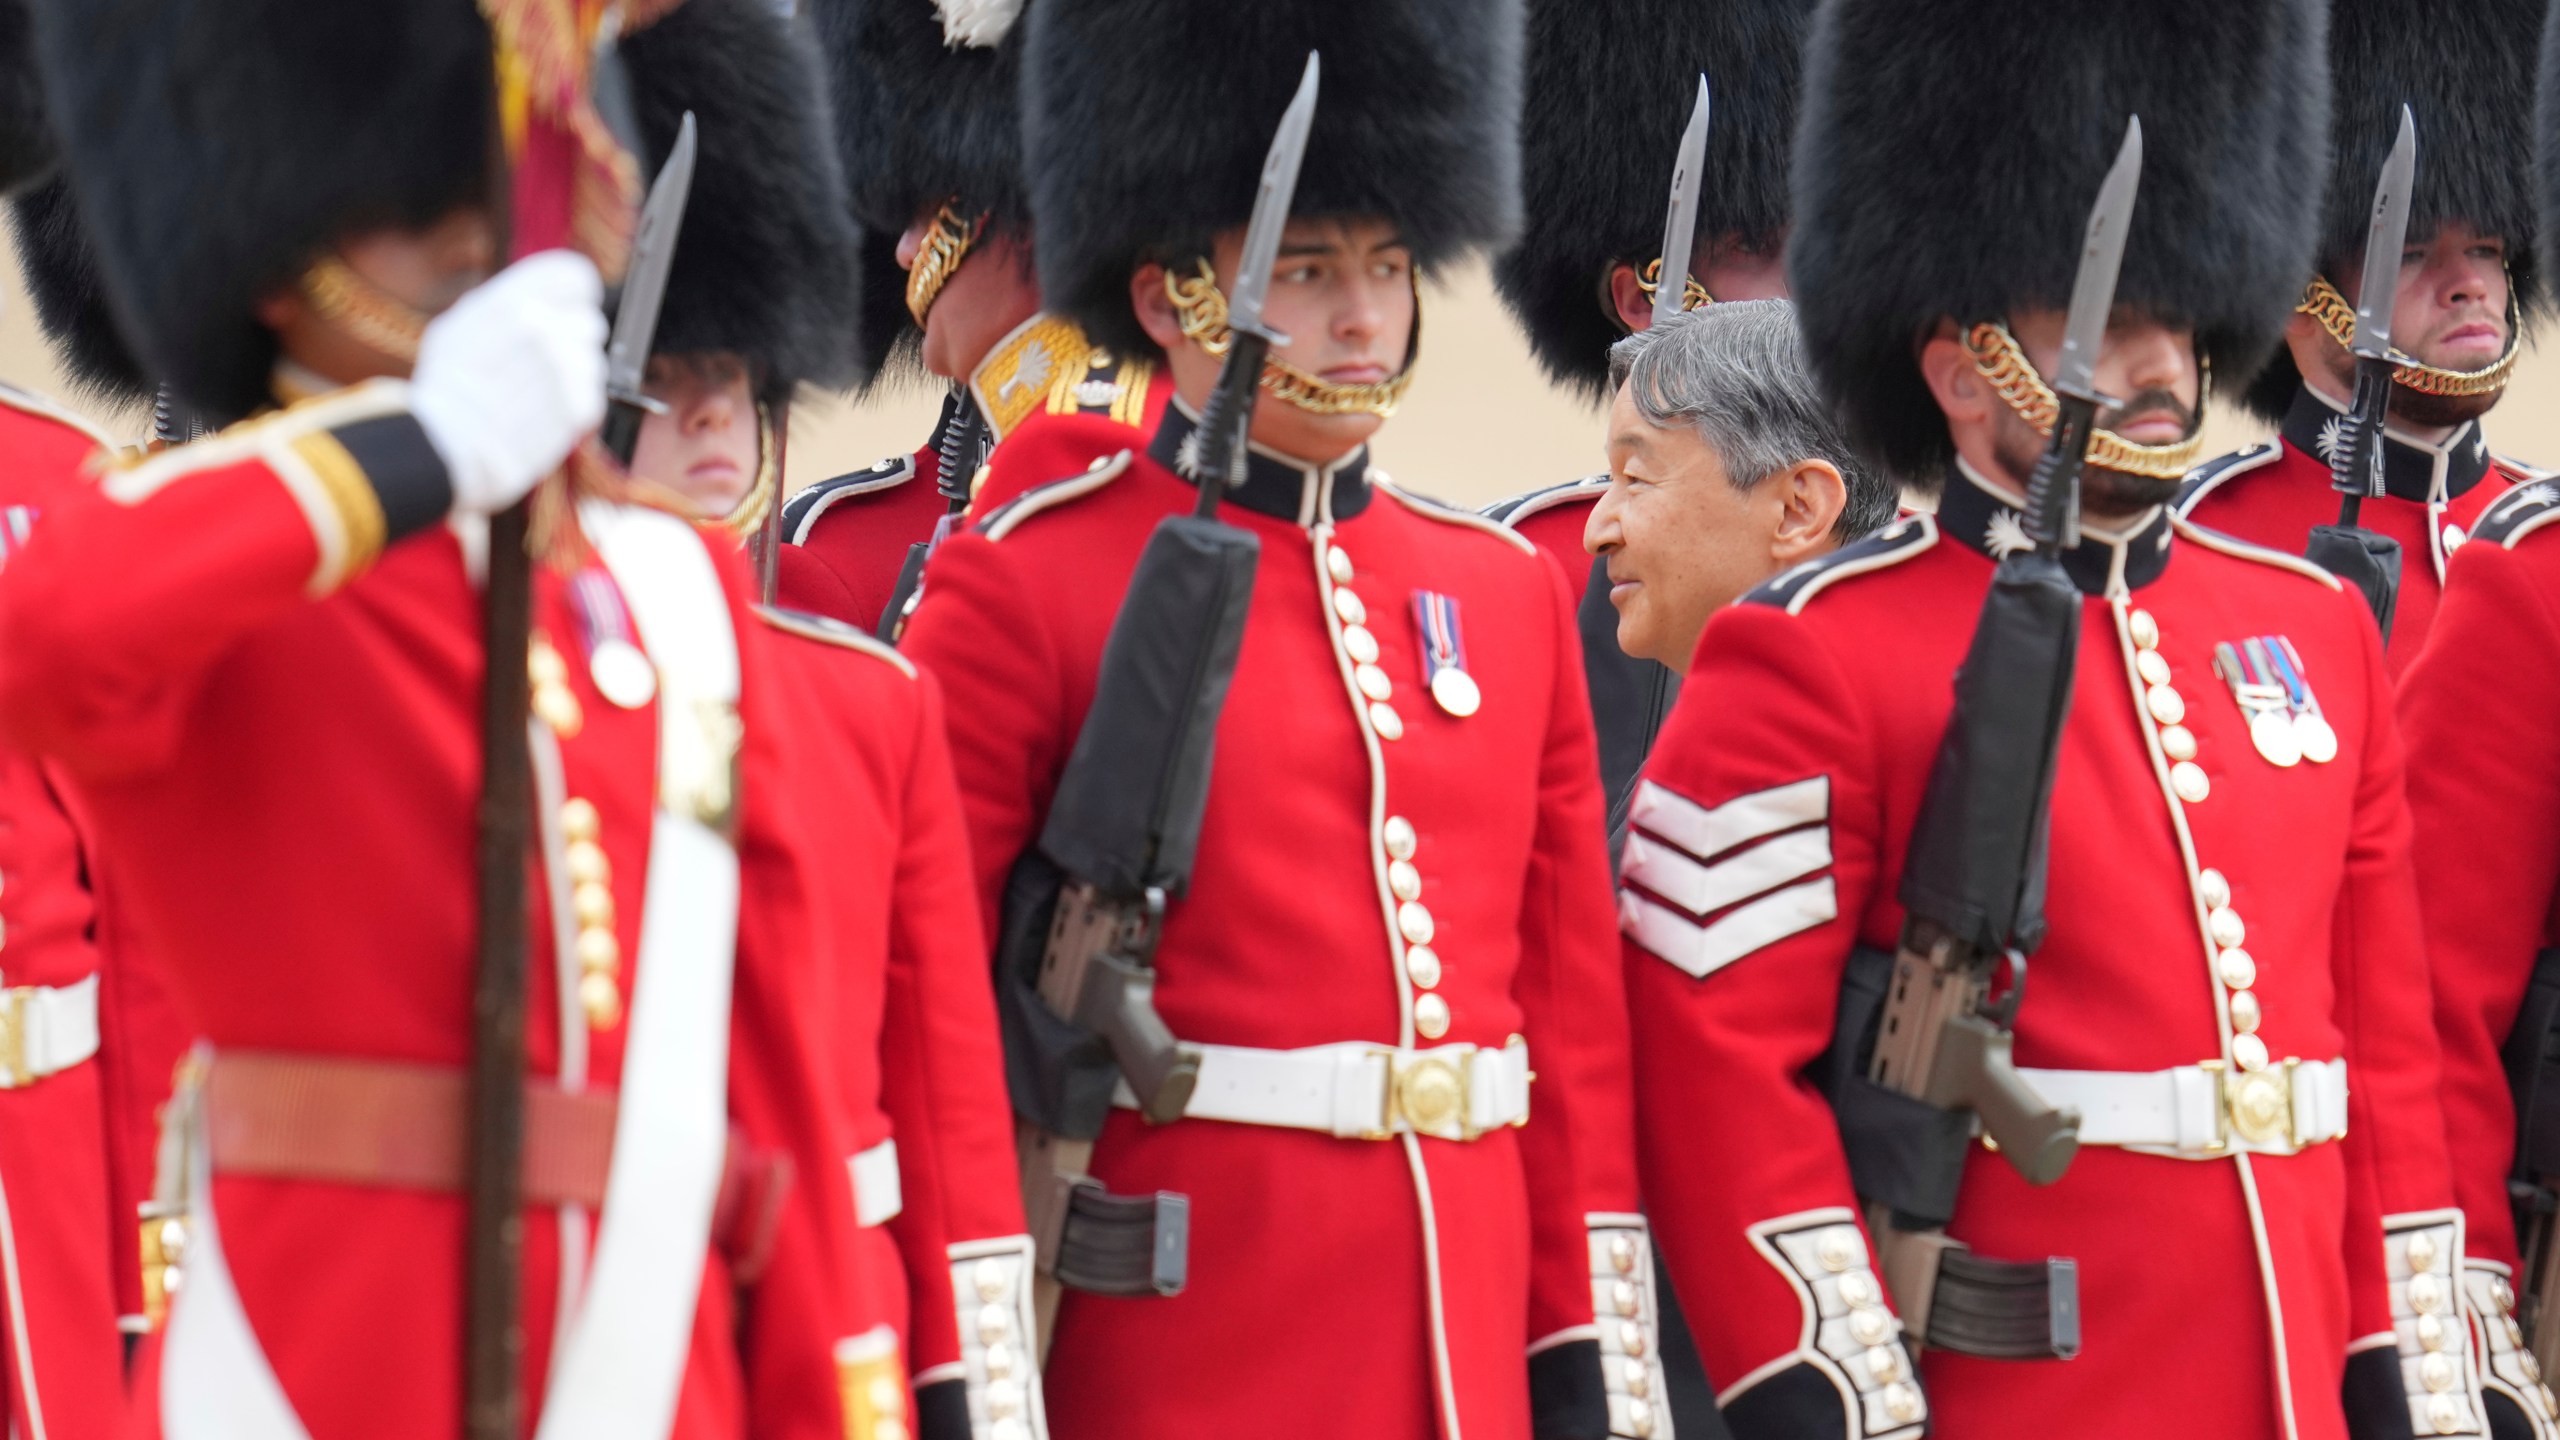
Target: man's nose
1600 534
2154 358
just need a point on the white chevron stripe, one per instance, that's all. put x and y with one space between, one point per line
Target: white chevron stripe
1704 889
1704 949
1706 833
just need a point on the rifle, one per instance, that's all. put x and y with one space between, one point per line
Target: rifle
2370 562
2532 1058
1085 908
1939 1070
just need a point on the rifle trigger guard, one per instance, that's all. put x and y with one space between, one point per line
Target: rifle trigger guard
2004 1013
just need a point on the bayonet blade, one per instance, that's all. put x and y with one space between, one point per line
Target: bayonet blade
1271 208
644 280
2093 291
1680 220
2380 287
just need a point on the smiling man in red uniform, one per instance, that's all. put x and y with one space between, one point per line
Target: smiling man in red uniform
276 729
1610 90
926 115
2470 287
756 306
1395 880
2229 991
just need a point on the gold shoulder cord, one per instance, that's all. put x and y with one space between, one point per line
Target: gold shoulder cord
1202 308
1998 359
2322 302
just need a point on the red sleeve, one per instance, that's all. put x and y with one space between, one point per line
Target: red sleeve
942 1061
1579 1149
990 647
100 655
1769 789
2486 801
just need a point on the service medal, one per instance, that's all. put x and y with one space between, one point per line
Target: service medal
2274 734
622 675
1444 655
1454 690
2311 732
2319 743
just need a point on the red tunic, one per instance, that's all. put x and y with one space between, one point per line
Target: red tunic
64 1244
1378 1287
2273 493
2488 842
849 537
2226 1291
276 728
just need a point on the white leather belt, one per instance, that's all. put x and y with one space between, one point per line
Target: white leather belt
1360 1091
46 1029
878 1195
2200 1112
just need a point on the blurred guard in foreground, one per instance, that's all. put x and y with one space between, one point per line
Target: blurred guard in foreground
276 727
2470 286
2205 939
927 116
1396 900
756 307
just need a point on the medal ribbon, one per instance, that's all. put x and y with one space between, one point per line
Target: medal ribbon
602 619
1444 648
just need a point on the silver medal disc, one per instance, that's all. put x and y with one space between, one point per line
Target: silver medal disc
2274 735
2319 743
1455 691
623 675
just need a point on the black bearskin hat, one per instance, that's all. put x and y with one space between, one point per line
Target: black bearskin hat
764 265
1610 85
1145 124
61 271
1950 150
923 116
2466 72
26 141
216 147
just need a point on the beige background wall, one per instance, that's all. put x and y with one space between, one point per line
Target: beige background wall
1481 421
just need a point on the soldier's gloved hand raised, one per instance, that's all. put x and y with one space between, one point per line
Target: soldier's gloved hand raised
511 377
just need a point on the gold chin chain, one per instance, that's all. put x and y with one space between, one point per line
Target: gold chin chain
371 316
946 244
1202 308
1998 359
750 512
1693 296
2322 302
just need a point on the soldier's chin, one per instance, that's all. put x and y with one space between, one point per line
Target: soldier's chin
2416 407
2115 492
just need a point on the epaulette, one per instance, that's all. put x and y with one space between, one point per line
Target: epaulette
1007 517
1791 590
2201 481
2519 513
1448 514
2239 549
2523 474
802 510
27 402
827 630
1520 507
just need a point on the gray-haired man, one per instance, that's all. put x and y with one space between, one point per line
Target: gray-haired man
1725 468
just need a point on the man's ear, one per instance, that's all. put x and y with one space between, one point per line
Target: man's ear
1957 386
1154 307
1628 304
1811 496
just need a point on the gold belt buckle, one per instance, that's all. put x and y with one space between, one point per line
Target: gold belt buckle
1431 1094
14 1071
2260 1103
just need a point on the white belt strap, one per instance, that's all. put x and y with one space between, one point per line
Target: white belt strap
1361 1091
45 1030
877 1194
2194 1113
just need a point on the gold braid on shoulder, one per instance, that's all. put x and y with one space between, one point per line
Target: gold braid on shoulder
2013 377
2322 302
1202 309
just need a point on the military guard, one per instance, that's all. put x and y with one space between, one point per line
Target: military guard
275 728
2488 859
926 112
2470 289
2256 1236
754 311
69 1263
1396 907
1609 89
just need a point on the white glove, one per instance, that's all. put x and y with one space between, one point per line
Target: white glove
511 377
